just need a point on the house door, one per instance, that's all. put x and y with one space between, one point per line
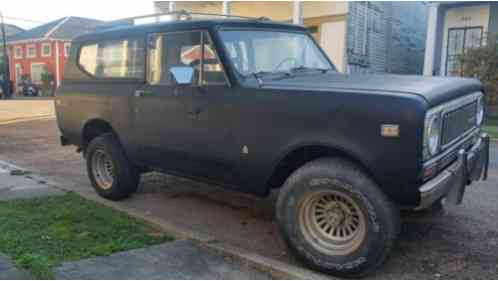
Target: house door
18 76
459 41
37 70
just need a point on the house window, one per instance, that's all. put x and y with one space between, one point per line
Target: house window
459 41
46 50
31 51
18 53
67 49
114 59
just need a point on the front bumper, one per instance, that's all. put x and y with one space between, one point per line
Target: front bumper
451 183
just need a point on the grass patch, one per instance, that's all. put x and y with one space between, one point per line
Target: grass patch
492 131
490 127
42 233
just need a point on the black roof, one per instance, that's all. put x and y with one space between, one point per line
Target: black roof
123 29
63 29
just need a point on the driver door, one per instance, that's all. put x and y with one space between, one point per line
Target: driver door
181 128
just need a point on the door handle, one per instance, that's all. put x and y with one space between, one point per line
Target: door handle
142 93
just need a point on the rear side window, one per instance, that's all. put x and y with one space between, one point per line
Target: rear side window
114 59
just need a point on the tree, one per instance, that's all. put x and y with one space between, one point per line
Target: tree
47 83
482 63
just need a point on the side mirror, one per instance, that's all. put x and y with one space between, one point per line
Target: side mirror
183 75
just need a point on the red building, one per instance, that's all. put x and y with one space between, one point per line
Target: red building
44 49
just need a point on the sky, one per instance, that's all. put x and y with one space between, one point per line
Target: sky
37 12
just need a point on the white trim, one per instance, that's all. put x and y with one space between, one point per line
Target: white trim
31 41
226 8
15 52
430 43
43 45
57 63
28 47
297 13
171 6
50 32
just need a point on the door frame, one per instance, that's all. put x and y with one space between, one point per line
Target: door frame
464 40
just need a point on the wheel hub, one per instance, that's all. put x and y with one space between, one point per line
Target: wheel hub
332 222
103 169
335 216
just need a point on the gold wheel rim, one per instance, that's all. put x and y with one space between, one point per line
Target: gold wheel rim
332 222
103 169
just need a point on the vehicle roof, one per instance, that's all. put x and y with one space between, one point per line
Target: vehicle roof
126 30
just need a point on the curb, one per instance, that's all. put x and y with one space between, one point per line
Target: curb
28 119
276 268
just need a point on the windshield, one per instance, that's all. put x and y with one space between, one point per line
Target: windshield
255 52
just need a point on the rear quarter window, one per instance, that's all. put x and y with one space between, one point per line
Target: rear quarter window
114 59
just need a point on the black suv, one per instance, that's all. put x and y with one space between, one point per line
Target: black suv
255 105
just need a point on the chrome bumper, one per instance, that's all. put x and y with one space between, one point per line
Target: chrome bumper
451 183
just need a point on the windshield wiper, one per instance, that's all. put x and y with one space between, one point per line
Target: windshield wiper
260 74
303 68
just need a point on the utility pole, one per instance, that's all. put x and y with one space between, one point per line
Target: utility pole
6 73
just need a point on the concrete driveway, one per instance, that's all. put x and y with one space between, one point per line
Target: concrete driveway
462 243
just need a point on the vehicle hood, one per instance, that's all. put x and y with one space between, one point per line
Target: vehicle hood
435 90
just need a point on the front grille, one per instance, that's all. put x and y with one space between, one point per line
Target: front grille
458 122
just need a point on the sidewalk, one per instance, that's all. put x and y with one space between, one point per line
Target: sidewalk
180 259
9 272
13 110
17 183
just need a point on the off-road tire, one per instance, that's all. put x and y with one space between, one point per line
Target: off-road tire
125 176
380 226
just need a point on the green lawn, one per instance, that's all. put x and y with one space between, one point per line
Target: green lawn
42 233
491 128
492 131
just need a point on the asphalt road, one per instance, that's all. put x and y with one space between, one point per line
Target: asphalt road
459 243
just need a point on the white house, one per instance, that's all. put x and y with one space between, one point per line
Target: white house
373 37
453 28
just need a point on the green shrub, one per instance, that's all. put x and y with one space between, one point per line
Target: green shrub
482 63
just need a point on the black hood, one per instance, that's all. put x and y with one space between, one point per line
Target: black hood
435 90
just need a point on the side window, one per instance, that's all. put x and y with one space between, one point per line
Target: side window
114 59
182 49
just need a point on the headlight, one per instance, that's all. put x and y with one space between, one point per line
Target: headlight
432 134
480 111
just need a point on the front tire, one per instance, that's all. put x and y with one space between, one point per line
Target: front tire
112 175
335 218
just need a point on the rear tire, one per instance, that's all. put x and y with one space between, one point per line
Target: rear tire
336 219
112 175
